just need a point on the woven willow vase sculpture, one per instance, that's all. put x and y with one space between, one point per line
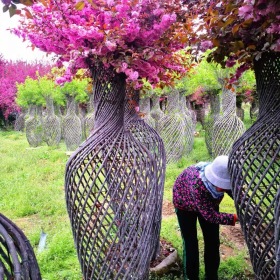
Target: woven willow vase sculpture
51 125
111 190
20 121
148 136
156 112
228 128
145 109
17 259
172 129
211 119
34 128
72 127
189 126
255 169
89 118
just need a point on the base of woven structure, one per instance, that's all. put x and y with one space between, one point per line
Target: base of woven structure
166 264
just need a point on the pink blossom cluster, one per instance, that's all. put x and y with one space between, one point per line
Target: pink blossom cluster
136 37
11 73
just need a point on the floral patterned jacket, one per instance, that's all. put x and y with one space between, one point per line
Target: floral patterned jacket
190 194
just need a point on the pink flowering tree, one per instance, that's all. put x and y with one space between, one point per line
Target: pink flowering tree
246 33
136 38
111 179
10 74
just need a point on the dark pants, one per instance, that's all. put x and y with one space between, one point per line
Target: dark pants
187 222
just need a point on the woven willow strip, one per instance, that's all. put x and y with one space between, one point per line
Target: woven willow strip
172 129
228 128
148 136
110 189
145 109
89 118
211 119
277 234
156 112
254 110
33 128
189 126
240 113
20 121
82 117
51 125
255 169
17 259
192 112
72 127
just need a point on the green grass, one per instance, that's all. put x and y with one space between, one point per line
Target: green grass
32 195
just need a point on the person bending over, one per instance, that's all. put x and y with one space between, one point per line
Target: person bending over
197 193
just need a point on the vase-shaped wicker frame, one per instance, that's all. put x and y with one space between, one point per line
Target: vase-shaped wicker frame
17 258
255 169
110 189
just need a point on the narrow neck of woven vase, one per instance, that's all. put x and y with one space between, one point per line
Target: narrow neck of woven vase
32 111
173 102
267 71
91 103
49 106
131 102
214 103
109 94
145 106
72 106
228 102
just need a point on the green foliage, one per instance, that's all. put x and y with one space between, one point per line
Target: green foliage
34 91
76 88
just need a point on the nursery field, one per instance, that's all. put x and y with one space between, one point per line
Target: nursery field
32 196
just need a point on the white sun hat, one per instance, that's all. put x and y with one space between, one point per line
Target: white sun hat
217 173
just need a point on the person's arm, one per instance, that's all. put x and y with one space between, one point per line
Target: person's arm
206 206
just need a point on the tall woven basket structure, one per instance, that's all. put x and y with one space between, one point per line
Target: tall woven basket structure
255 169
172 129
34 128
189 125
145 109
72 127
156 112
17 259
51 125
228 128
111 190
211 119
20 121
148 136
89 118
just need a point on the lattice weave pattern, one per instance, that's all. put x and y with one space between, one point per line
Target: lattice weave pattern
172 129
228 128
72 127
111 190
255 168
51 125
152 141
33 128
17 259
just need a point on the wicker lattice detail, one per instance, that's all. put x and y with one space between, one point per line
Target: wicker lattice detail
189 125
148 136
72 127
172 129
228 128
51 125
211 119
82 117
34 128
17 259
89 118
277 234
156 112
20 121
240 113
145 109
255 169
110 191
